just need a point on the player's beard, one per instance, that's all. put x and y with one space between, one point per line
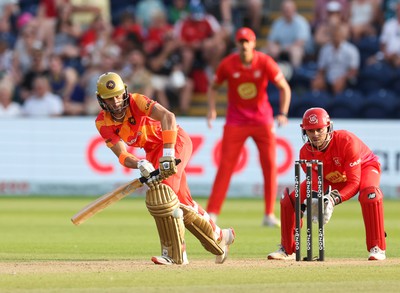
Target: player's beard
118 111
320 143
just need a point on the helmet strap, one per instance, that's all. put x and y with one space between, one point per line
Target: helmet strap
118 117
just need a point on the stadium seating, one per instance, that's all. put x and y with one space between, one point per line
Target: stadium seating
380 104
374 77
346 104
308 100
367 47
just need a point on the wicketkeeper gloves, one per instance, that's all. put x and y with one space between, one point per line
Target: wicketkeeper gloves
331 198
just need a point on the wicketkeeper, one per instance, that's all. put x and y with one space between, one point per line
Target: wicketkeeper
136 120
350 167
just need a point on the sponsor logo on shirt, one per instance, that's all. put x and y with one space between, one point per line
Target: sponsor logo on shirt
147 107
247 90
131 141
353 164
336 177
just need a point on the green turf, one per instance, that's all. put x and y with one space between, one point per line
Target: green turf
38 232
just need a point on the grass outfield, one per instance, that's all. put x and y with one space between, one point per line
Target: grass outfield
41 251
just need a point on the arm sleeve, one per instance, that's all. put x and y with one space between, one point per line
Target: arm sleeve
273 71
219 76
352 169
143 104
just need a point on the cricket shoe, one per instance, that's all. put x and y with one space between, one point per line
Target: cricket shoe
376 254
271 221
166 260
281 254
228 237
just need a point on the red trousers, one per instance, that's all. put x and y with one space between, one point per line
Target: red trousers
233 140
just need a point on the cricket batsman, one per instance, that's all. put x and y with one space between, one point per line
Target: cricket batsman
135 120
350 168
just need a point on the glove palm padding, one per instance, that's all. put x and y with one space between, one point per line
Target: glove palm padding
167 166
331 199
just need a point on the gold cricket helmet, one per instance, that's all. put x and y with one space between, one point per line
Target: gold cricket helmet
110 85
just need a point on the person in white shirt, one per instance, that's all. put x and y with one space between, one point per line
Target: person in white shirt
42 102
338 63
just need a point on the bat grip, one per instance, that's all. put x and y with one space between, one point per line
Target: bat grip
156 172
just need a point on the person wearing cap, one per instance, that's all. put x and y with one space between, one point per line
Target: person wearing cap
349 168
247 73
322 8
334 17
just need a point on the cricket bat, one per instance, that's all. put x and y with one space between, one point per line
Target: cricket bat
109 198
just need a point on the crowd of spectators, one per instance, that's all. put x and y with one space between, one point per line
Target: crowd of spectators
53 51
346 58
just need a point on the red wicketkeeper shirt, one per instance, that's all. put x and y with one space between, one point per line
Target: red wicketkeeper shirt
343 161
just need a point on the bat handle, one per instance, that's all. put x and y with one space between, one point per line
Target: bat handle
156 172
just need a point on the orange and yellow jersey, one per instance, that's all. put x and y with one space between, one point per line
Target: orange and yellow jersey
343 159
137 129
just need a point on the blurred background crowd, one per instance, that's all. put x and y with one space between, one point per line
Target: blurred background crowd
343 55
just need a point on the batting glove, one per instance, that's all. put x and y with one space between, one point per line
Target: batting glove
145 168
153 182
167 166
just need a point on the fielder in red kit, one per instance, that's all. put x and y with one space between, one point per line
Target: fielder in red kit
135 120
350 167
249 114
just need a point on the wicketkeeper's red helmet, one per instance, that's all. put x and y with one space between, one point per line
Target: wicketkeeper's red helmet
315 118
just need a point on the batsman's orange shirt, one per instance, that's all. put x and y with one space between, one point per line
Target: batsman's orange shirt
247 96
137 129
343 160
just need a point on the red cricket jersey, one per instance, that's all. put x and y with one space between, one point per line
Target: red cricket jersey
137 129
343 161
190 31
247 88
